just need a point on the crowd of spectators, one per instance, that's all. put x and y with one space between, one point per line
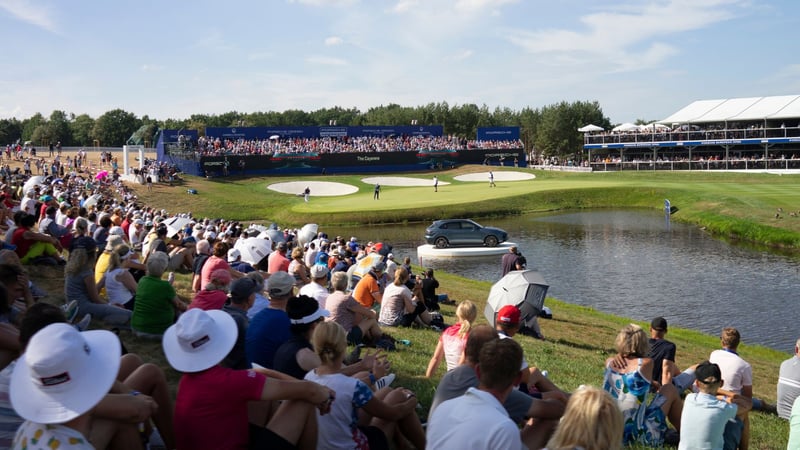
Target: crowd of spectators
348 144
687 132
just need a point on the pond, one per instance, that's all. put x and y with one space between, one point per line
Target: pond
637 264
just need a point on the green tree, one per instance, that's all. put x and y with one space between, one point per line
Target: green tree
30 124
10 131
114 128
58 126
81 130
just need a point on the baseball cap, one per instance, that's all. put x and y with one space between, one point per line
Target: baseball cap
234 254
243 287
199 339
281 246
304 309
117 230
319 271
379 266
659 323
509 314
64 373
280 284
221 275
708 373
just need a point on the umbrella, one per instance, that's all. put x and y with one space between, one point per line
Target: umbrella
524 289
590 127
364 264
307 233
627 126
274 137
273 235
38 180
255 228
101 175
92 200
254 249
176 224
57 181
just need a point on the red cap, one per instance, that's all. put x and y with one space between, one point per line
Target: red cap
509 314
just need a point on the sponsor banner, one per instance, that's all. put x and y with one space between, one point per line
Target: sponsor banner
498 134
170 136
250 133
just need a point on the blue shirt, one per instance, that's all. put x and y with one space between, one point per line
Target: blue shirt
267 331
703 421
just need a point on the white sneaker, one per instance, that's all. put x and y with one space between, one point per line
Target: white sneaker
84 323
385 381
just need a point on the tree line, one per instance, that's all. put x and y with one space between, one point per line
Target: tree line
549 131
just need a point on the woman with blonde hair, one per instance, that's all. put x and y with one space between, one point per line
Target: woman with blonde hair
118 280
454 339
645 415
359 418
592 421
298 268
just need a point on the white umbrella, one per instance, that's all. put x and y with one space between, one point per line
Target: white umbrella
307 233
176 224
257 228
627 126
274 137
254 249
92 200
364 264
38 180
273 235
590 127
524 289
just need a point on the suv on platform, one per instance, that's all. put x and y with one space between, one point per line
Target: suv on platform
452 232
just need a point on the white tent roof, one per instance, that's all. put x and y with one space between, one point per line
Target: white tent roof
750 108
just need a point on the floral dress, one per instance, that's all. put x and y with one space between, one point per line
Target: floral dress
643 418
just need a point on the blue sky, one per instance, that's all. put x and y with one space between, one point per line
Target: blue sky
169 59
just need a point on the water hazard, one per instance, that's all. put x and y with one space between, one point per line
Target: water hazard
637 265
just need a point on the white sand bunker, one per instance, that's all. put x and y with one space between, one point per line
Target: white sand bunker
318 188
402 181
498 176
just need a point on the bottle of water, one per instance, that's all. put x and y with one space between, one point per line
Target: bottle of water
171 277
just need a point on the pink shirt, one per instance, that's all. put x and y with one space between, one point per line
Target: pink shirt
211 408
213 263
453 345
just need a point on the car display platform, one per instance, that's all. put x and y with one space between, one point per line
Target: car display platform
429 251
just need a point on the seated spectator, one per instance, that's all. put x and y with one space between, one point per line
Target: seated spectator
203 252
429 286
79 285
454 422
387 411
794 426
660 350
212 401
296 356
368 291
399 307
261 301
592 421
453 340
104 258
518 405
630 388
118 281
277 260
317 289
217 260
270 327
298 269
181 255
235 260
34 247
243 294
705 415
157 304
359 323
50 227
789 383
215 293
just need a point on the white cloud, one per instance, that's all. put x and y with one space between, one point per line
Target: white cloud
404 6
26 11
461 55
476 5
326 61
336 3
333 40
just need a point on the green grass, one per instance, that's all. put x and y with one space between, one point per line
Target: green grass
740 206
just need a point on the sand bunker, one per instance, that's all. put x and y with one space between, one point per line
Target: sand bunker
498 176
402 181
318 188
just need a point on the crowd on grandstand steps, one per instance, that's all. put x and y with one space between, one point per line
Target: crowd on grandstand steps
215 146
296 321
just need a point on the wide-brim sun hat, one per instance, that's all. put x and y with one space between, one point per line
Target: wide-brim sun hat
199 340
64 373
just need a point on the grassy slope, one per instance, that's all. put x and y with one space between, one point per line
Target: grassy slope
579 338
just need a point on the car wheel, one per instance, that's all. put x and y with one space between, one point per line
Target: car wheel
490 241
441 242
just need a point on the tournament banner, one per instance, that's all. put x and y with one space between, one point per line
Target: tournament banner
498 134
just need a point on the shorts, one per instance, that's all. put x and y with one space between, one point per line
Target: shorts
175 262
261 437
355 336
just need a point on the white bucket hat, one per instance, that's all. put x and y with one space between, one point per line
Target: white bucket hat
64 373
199 339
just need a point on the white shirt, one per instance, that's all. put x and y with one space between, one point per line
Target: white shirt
736 372
474 421
315 291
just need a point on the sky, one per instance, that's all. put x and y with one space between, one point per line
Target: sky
639 59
